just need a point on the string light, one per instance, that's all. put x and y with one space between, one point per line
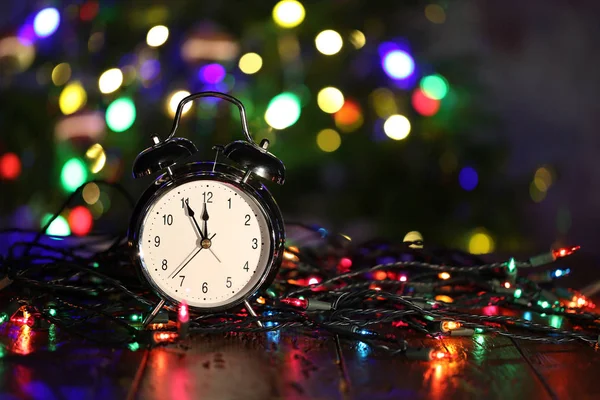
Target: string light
444 276
468 178
398 64
434 86
329 42
423 104
349 117
212 73
73 174
481 243
447 326
328 140
58 227
435 13
61 74
110 80
330 100
157 36
80 221
283 110
250 63
397 127
120 114
174 101
10 166
72 98
97 157
91 193
357 38
46 22
288 13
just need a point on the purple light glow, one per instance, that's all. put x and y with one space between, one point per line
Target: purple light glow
212 73
26 34
398 64
150 69
46 22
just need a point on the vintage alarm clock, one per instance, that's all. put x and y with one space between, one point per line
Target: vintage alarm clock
207 233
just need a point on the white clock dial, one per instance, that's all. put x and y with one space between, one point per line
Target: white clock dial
214 260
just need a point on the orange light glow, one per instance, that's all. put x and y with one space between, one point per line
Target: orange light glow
313 281
402 278
450 325
380 275
444 276
260 300
438 355
507 285
444 298
160 337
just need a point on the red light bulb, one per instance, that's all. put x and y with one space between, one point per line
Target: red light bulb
298 303
565 251
184 314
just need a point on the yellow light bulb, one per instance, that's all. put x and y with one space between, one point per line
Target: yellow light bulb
330 100
397 127
328 140
444 276
329 42
481 243
61 74
288 13
72 98
250 63
110 80
157 36
175 99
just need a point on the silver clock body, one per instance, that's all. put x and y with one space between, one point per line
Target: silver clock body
248 192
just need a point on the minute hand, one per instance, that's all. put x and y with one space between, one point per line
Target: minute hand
192 214
174 274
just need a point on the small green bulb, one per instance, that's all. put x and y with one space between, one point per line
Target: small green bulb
52 312
478 330
545 304
134 346
512 265
134 317
518 293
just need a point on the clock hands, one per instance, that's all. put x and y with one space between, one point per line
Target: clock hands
192 214
205 219
185 262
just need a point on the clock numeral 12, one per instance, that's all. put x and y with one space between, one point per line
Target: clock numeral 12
207 197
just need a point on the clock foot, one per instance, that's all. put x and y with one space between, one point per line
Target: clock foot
151 316
252 312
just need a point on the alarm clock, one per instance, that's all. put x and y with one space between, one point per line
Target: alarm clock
208 234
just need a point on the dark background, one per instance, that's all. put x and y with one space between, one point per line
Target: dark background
523 95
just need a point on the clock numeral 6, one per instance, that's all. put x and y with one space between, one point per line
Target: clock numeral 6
255 243
228 283
164 265
205 287
246 266
156 241
167 219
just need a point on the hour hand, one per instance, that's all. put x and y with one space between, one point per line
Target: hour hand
192 214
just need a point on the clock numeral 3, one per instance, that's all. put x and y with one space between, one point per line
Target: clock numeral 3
247 223
207 197
228 283
205 287
182 279
156 241
168 219
164 265
246 266
255 243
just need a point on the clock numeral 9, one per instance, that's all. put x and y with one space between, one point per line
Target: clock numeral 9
246 266
247 223
168 219
255 243
228 283
164 265
205 287
207 197
156 241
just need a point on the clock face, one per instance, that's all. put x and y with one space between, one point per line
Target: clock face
205 242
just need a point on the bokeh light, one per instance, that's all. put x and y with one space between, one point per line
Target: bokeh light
157 36
72 98
73 174
174 101
423 104
358 39
96 157
481 242
80 221
283 110
46 22
468 178
434 86
542 179
384 102
61 74
536 194
250 63
330 99
328 140
10 166
435 13
212 73
110 80
398 64
120 114
58 227
90 193
349 118
329 42
288 13
397 127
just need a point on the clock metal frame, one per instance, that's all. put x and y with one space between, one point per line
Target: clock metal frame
195 171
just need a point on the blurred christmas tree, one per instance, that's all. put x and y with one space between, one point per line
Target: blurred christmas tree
378 137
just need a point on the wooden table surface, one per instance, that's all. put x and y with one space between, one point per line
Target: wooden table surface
44 365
